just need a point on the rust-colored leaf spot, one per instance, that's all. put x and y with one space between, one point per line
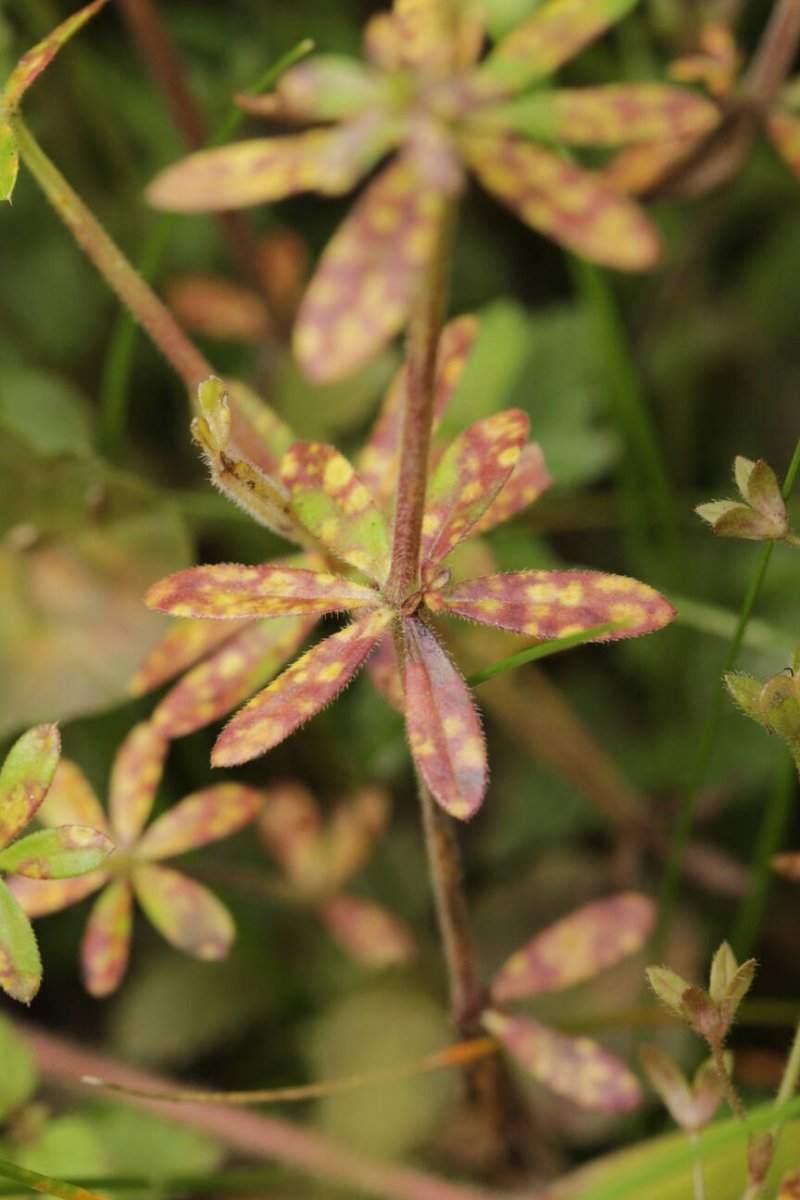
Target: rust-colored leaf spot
572 206
575 1068
468 477
444 730
233 591
360 295
576 948
226 679
300 692
336 508
552 604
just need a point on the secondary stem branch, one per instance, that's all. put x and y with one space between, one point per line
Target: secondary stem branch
112 264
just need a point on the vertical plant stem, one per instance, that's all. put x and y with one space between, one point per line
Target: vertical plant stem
120 275
727 1084
158 52
770 836
702 757
466 992
697 1169
424 330
773 58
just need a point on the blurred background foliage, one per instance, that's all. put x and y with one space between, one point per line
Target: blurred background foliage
93 509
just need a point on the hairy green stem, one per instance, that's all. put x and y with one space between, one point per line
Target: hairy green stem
702 757
154 317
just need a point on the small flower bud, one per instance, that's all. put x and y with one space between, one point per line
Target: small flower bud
762 516
723 969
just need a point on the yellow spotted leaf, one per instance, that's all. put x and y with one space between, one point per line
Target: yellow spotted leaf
187 914
333 504
363 288
135 777
230 676
232 591
444 730
300 692
106 944
467 479
262 170
576 948
558 30
576 1069
552 604
576 208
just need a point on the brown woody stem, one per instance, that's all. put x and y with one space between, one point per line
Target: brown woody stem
424 329
773 58
157 321
158 52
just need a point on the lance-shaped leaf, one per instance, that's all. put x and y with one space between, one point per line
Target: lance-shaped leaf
468 477
329 88
551 604
56 853
367 932
300 692
378 462
41 897
583 944
188 915
638 170
231 590
229 677
554 34
31 65
25 777
9 161
444 730
355 825
184 644
106 944
361 292
262 170
611 115
20 964
205 816
575 1068
135 776
291 828
784 132
574 207
529 479
71 800
337 509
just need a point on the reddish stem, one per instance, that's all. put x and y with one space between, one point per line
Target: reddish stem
776 51
424 330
